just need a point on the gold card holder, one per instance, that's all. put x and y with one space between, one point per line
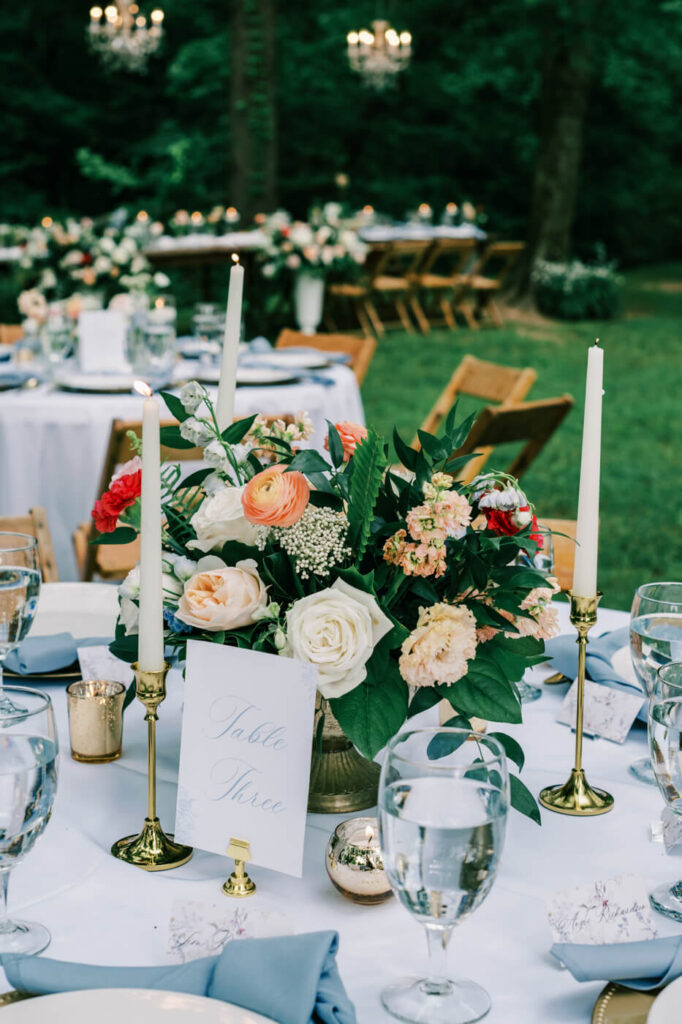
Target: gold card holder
239 884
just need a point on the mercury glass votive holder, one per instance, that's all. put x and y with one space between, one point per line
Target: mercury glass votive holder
354 863
95 719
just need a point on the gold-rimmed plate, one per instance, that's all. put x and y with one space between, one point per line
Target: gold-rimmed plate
61 675
618 1005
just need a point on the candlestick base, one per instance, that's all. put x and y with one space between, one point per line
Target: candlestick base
576 797
152 849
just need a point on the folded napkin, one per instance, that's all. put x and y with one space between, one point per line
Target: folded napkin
293 980
563 657
39 654
641 965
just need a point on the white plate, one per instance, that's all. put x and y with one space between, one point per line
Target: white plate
82 609
293 360
622 662
666 1008
135 1006
107 383
252 376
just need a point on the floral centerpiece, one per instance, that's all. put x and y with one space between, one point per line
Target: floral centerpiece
403 592
328 242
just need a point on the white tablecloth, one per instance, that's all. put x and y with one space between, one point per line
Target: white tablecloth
53 443
102 911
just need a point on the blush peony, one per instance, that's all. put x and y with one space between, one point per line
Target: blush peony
275 498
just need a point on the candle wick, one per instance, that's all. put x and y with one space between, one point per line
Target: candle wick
596 341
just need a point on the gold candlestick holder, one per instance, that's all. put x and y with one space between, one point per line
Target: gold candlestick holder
576 796
152 849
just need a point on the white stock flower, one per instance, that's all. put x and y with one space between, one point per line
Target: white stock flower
129 615
337 630
196 431
192 395
220 518
182 568
216 456
131 585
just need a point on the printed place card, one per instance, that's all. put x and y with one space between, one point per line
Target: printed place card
102 341
97 662
204 929
247 731
616 910
608 713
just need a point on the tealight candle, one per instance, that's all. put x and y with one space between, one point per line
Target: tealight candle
354 863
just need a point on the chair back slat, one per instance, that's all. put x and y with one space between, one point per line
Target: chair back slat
36 525
448 256
10 333
402 259
497 260
361 350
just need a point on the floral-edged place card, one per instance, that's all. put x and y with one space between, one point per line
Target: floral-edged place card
608 713
247 732
615 910
203 929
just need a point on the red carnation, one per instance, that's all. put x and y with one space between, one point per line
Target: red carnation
123 492
500 521
86 260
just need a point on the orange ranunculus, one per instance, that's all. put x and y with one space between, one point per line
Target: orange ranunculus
275 498
351 435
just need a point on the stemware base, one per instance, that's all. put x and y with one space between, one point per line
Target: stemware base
23 938
419 1001
528 693
643 771
667 900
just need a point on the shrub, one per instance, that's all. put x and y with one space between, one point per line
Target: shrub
576 290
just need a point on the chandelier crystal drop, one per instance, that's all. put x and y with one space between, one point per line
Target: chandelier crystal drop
378 55
122 36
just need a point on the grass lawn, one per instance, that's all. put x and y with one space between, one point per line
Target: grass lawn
641 510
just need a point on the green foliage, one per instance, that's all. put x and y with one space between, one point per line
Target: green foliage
576 291
368 464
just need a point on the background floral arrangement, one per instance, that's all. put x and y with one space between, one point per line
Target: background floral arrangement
329 242
401 591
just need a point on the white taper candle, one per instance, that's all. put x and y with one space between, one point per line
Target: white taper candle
228 365
150 644
587 535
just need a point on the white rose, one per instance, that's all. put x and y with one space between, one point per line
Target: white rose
220 518
337 630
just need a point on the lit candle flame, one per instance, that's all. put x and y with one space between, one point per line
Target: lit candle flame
142 389
159 303
235 257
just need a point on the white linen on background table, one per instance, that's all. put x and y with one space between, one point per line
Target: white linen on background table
100 910
53 443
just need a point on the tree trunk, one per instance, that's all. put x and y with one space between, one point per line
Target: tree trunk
566 73
253 177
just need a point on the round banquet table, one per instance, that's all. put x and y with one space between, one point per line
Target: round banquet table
53 443
102 911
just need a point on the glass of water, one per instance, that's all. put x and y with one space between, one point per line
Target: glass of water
655 640
57 337
443 799
28 782
665 743
209 326
19 590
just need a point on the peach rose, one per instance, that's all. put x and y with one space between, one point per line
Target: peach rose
223 598
275 498
351 435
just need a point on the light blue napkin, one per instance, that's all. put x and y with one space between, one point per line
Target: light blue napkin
642 965
293 980
562 653
38 654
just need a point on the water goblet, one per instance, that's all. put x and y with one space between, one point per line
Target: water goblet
443 799
209 326
665 742
655 640
57 338
543 559
19 590
28 782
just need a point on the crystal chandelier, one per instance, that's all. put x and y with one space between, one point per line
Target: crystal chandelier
380 54
121 35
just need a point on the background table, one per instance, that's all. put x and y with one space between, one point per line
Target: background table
52 443
100 910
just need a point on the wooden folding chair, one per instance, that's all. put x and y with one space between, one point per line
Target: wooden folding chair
114 561
530 423
444 272
9 333
356 295
564 548
503 385
36 525
360 349
497 260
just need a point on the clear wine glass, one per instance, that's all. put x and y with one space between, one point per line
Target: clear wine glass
665 743
28 782
655 640
544 560
443 799
19 589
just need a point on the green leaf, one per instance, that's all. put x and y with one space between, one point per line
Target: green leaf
125 647
121 535
194 479
323 500
369 462
449 424
444 743
175 406
234 551
407 455
436 448
236 432
371 715
308 461
335 445
458 437
424 698
512 749
523 800
172 438
130 696
481 694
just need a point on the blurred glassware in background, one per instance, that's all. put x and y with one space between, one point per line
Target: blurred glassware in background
665 743
209 326
57 336
151 340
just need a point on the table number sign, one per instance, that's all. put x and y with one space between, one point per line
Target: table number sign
102 341
245 753
608 713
